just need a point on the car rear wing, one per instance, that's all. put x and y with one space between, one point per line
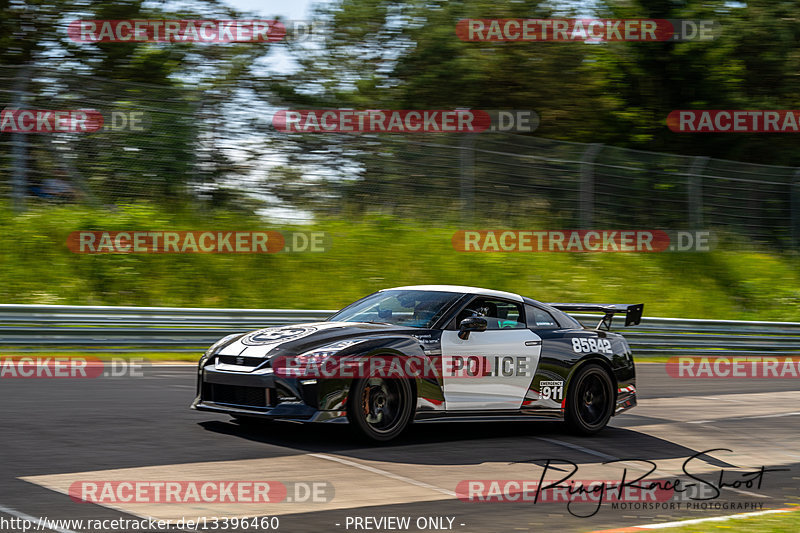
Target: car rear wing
633 312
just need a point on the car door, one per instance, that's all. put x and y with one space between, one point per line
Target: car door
555 362
492 369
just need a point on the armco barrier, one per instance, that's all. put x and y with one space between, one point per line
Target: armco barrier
186 329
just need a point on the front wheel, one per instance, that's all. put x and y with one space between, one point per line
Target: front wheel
380 409
590 400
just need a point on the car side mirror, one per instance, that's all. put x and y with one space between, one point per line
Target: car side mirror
470 324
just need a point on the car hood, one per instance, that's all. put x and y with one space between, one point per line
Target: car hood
300 338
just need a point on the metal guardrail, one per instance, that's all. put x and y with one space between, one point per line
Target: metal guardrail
33 328
666 337
182 329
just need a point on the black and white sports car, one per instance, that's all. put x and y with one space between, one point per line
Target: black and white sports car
428 354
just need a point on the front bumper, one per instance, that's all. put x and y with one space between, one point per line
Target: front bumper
260 394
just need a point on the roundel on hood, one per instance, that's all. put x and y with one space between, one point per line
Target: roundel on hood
276 335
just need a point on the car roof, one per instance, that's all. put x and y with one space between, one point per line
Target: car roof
460 288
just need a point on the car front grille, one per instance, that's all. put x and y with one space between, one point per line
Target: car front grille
235 395
250 362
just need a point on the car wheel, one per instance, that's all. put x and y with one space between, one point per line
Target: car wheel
380 409
590 400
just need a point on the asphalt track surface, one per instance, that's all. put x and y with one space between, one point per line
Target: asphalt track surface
56 431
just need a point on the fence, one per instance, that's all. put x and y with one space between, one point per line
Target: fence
216 148
164 329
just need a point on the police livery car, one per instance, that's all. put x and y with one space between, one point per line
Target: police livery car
428 353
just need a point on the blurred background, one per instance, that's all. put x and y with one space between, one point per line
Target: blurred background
207 157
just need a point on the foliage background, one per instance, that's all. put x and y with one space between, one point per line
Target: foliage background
209 158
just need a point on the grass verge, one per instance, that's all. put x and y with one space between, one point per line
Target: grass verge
736 281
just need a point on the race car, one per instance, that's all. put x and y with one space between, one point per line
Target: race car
428 353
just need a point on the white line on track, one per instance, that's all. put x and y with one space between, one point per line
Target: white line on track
596 453
723 399
777 415
579 448
383 473
33 520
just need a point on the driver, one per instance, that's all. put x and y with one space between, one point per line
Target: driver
481 309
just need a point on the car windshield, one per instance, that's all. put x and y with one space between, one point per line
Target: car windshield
418 309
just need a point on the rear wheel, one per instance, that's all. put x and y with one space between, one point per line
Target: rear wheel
590 400
380 409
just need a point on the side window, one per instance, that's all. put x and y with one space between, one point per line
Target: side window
541 319
499 314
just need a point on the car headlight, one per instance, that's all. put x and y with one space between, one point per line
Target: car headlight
317 355
311 361
217 345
